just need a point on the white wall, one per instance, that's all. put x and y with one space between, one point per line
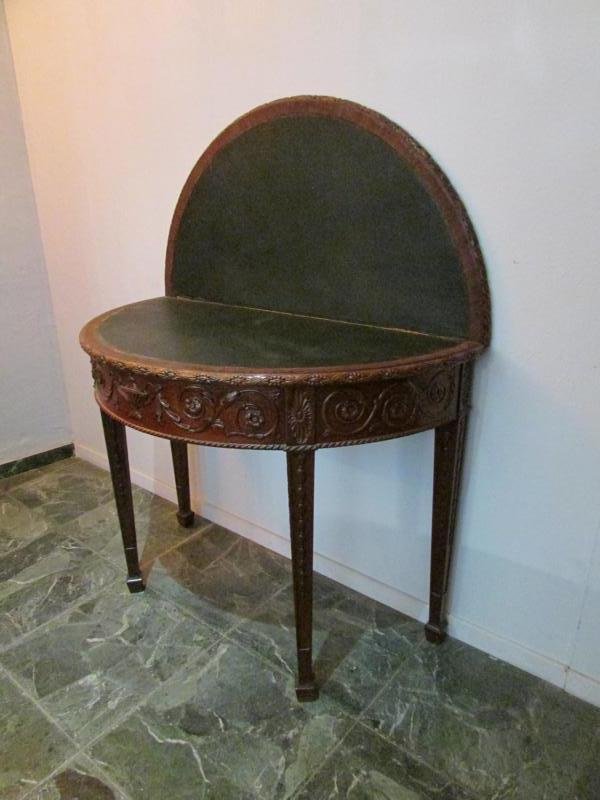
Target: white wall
119 99
33 414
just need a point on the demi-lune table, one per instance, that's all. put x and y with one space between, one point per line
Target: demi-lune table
324 287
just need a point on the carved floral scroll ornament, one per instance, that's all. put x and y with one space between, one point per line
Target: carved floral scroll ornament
242 412
336 414
355 411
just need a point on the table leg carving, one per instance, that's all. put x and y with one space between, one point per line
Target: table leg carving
185 515
449 449
116 448
301 479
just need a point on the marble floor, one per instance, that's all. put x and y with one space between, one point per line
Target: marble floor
186 691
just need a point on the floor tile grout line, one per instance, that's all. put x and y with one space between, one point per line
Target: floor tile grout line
191 614
412 755
84 749
329 754
47 777
358 722
218 558
97 766
47 469
81 749
223 632
358 719
384 686
113 562
52 526
137 707
263 659
79 753
5 648
362 722
353 721
202 530
8 674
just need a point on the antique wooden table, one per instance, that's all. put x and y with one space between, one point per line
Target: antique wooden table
324 287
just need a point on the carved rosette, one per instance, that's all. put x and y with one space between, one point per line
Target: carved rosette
439 392
301 415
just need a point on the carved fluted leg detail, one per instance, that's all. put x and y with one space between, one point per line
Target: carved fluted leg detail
116 447
449 451
185 515
301 477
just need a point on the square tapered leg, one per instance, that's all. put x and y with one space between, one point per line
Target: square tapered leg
449 449
116 448
301 476
185 515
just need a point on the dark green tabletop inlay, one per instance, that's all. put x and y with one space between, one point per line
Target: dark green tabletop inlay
316 215
195 332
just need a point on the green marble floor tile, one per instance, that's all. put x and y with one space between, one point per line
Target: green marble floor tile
16 565
213 543
392 629
45 578
18 524
79 779
231 729
219 576
165 708
354 653
90 667
367 767
493 729
20 478
156 526
30 745
64 490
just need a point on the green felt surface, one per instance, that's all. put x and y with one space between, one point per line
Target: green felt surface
196 332
316 215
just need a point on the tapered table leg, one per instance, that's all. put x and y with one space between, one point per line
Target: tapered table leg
185 515
116 447
449 449
301 477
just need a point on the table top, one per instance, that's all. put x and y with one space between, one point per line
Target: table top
194 336
313 240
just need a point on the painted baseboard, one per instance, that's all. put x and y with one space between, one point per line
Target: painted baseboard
538 664
583 686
